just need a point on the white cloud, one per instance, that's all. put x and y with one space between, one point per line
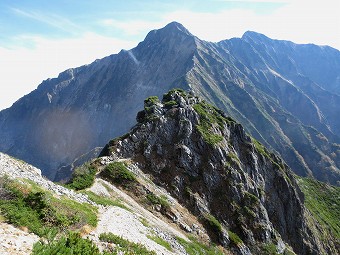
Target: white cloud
51 19
22 69
133 27
299 21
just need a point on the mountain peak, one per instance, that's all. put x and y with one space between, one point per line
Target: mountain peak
254 36
172 30
175 26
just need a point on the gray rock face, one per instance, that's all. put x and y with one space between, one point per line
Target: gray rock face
221 172
285 95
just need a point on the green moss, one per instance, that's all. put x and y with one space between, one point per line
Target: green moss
194 247
118 173
124 246
323 201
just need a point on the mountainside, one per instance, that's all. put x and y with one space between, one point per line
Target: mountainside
285 95
245 196
186 179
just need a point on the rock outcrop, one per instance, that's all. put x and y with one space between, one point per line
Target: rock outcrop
245 195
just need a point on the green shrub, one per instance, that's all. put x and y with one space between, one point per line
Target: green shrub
118 173
170 104
234 238
212 222
269 249
151 100
124 246
82 177
154 199
72 244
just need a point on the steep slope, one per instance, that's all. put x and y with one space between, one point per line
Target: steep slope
273 88
245 195
35 210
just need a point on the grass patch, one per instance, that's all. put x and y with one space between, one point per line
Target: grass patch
196 248
144 222
72 244
101 200
160 241
268 249
323 201
124 246
42 213
209 115
260 148
82 177
118 173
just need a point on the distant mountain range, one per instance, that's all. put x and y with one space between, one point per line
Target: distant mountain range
285 95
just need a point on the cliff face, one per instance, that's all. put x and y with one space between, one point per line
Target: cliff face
285 95
245 195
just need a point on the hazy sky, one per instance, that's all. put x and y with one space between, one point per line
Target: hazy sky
40 38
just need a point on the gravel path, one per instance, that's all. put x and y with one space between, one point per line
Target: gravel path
128 223
14 241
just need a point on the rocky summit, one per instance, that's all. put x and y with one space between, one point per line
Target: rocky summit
286 95
246 196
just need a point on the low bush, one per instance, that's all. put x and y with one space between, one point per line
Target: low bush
82 177
124 246
161 200
234 238
212 222
42 213
72 244
118 173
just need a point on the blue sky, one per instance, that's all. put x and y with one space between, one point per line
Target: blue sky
39 38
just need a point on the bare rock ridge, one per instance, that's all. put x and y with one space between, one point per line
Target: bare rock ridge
229 180
285 95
